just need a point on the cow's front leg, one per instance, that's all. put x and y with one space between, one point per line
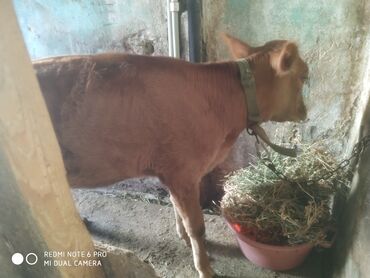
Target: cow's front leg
186 201
179 225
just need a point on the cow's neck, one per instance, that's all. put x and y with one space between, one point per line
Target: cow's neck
220 86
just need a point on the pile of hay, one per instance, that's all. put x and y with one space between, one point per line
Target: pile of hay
272 210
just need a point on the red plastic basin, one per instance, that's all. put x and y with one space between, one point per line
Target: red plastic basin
272 256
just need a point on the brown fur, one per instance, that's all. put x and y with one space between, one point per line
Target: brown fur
118 116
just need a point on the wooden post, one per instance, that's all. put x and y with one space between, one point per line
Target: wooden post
37 213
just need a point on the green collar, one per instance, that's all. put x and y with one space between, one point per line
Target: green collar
249 85
253 118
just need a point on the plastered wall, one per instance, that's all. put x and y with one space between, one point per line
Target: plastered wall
54 28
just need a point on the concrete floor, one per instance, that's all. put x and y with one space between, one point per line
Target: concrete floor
131 221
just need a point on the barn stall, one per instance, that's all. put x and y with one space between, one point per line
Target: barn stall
37 212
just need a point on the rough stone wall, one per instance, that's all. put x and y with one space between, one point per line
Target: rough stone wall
54 28
351 255
331 35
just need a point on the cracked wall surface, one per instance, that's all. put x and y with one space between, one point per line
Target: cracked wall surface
351 255
54 28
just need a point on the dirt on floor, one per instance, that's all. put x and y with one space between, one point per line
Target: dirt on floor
143 221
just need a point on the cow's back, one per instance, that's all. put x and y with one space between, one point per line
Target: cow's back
119 116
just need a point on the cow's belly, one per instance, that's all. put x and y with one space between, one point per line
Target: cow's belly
96 160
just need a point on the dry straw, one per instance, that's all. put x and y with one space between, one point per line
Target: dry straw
275 211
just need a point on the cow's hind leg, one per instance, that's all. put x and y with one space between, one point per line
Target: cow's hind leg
179 225
185 198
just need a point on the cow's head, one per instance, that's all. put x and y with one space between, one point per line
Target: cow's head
279 74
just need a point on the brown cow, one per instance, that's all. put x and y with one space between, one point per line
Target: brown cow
118 116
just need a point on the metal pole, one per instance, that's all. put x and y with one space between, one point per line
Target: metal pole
169 29
174 8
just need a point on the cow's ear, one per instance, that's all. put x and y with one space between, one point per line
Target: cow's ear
286 58
237 48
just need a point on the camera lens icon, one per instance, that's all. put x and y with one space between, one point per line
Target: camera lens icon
31 258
